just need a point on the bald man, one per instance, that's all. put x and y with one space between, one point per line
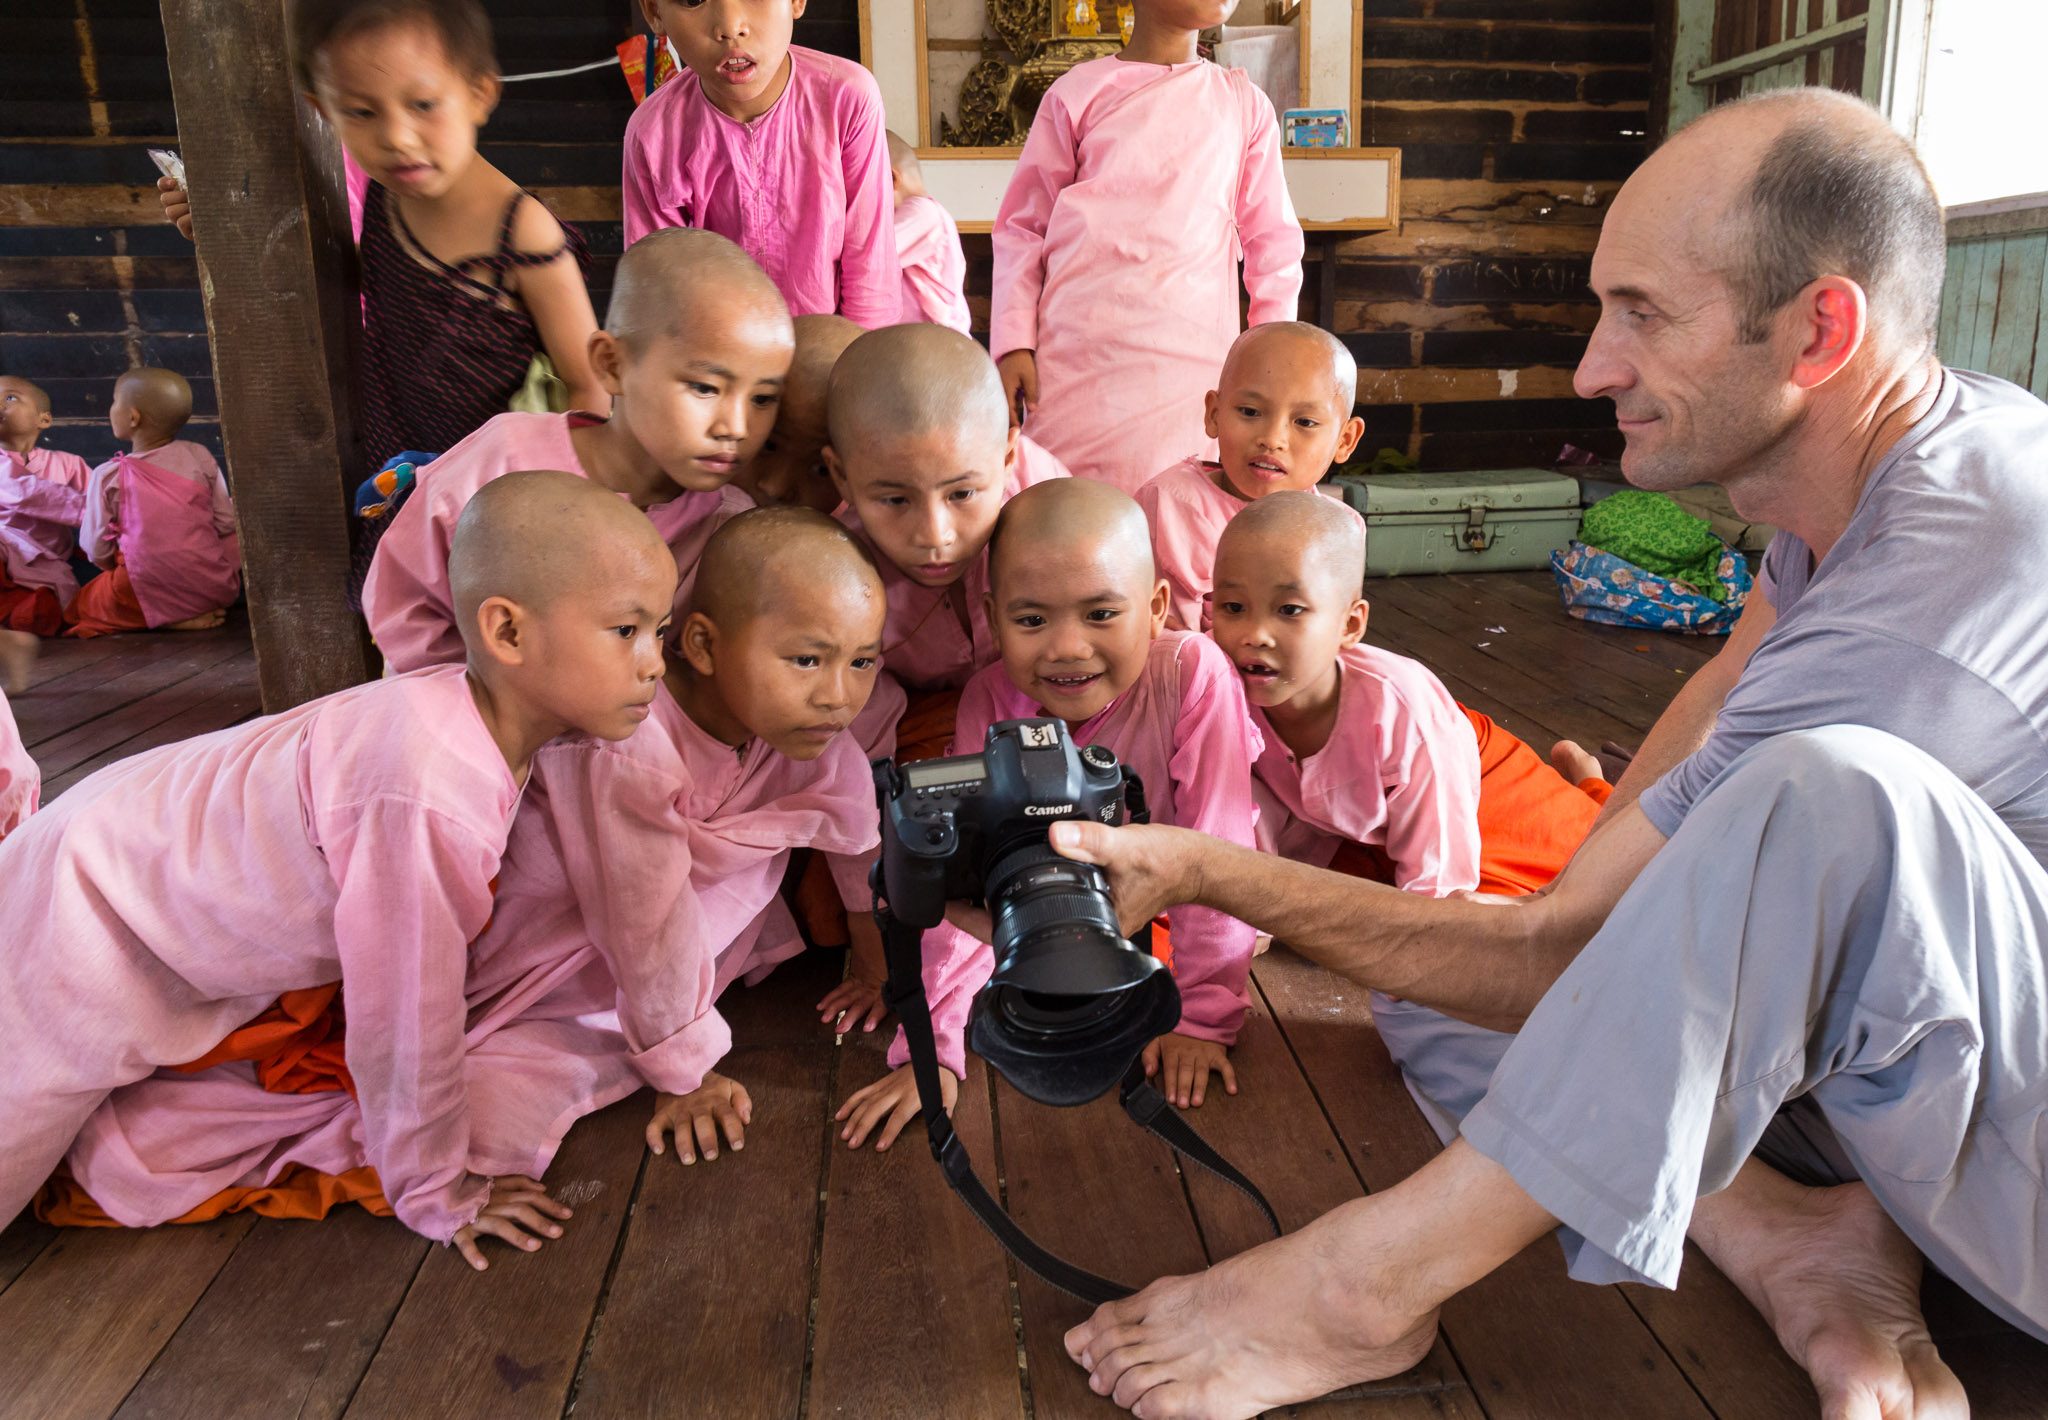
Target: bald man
1812 922
695 351
790 467
158 518
1281 417
173 897
927 247
1079 619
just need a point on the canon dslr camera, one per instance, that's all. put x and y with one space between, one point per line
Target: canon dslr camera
1071 1003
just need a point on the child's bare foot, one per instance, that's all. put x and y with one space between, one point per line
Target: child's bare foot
18 652
205 621
1574 763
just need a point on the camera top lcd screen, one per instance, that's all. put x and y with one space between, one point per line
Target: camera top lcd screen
944 773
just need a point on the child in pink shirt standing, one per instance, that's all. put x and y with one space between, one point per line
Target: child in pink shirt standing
777 147
167 900
158 518
692 360
928 246
24 415
1147 177
1281 416
1080 619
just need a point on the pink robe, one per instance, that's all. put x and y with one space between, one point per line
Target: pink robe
174 896
59 467
637 883
38 524
1400 773
1116 256
21 783
1185 729
1188 509
406 596
168 514
804 188
925 648
934 266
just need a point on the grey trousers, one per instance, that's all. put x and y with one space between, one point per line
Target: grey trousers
1838 921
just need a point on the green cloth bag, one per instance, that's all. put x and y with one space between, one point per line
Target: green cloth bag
1657 535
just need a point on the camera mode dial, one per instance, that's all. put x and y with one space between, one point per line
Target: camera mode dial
1097 757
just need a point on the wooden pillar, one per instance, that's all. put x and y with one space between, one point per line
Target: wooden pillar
270 214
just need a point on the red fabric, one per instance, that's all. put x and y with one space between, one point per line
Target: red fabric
32 609
1531 820
105 605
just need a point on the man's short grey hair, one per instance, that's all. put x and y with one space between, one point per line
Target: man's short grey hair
1837 194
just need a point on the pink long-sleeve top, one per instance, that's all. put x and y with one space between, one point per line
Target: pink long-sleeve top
1400 773
38 528
934 266
1117 249
804 188
1188 507
1184 727
21 782
174 896
406 597
59 467
99 533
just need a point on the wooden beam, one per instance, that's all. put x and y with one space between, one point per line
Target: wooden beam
275 254
1798 47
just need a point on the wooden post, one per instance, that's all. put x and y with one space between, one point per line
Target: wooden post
270 213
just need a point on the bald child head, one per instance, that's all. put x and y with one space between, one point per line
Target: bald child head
1071 516
775 560
789 468
903 165
534 537
1296 537
24 413
34 394
1308 354
674 282
907 381
153 403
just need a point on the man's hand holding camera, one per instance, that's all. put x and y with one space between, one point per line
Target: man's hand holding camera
1149 866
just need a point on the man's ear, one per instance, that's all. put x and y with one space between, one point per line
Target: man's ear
1347 439
698 643
1833 317
1354 621
501 631
1162 602
608 361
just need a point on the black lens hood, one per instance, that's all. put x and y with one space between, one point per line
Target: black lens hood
1078 1063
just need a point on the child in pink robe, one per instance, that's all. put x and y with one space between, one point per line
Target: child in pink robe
924 457
640 879
675 458
1081 622
21 783
39 520
1281 417
172 897
24 415
779 148
1147 177
927 246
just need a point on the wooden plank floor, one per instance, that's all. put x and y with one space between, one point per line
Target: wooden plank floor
799 1279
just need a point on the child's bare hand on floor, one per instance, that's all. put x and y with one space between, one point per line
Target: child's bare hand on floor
890 1102
1182 1065
857 1001
177 204
1019 370
696 1118
519 1212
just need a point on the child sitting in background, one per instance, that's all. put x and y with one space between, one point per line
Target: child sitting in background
173 897
466 277
24 415
778 147
1080 618
21 782
158 518
927 247
790 468
1147 174
1281 417
924 457
635 874
39 520
692 360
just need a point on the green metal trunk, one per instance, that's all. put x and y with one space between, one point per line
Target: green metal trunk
1493 520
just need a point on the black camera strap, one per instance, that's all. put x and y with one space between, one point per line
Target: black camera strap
1146 1106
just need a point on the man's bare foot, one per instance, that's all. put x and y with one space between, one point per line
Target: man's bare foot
18 652
205 621
1288 1321
1840 1284
1574 763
